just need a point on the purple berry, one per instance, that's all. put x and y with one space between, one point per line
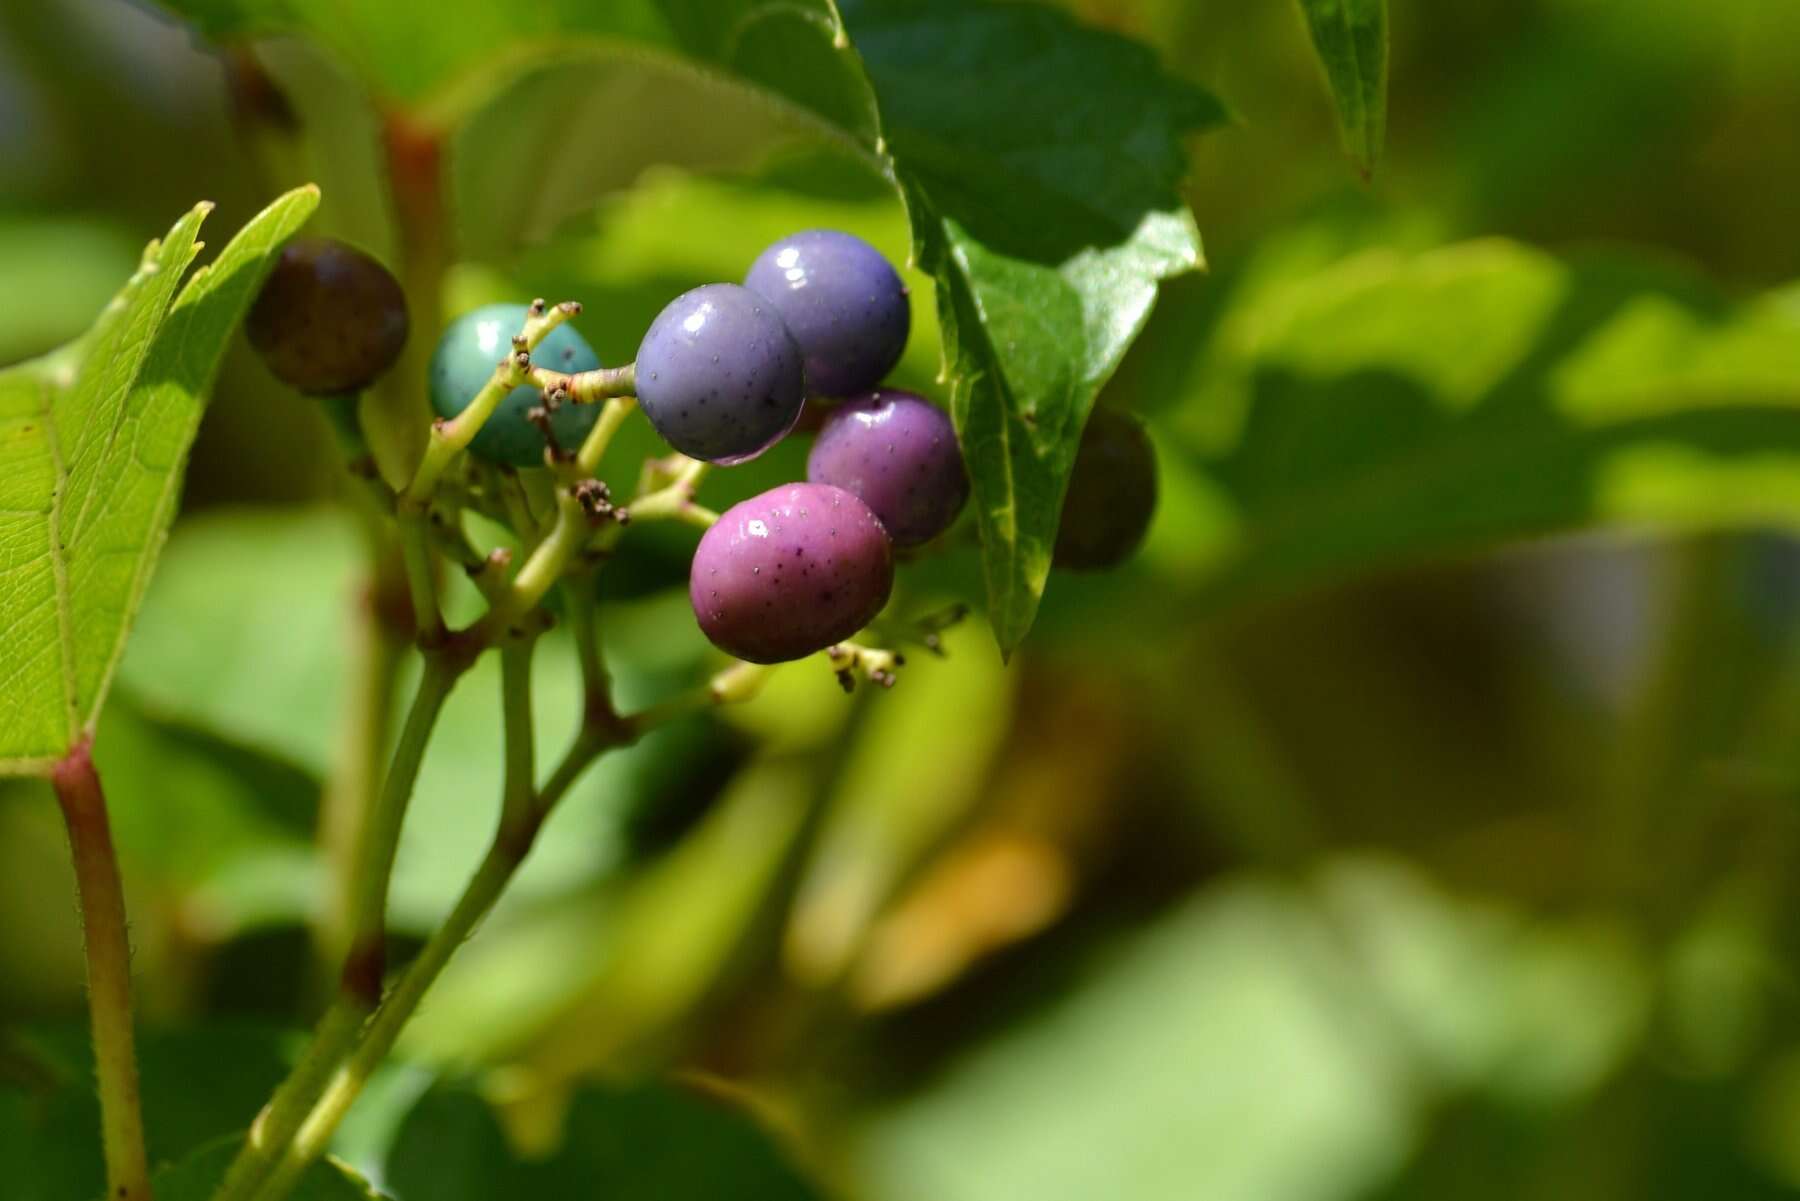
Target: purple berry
898 453
719 376
1112 494
790 572
843 301
329 318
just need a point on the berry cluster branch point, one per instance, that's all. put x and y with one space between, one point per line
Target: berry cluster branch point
586 387
852 659
674 500
449 438
540 572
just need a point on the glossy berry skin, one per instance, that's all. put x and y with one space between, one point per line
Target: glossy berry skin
719 376
843 301
896 452
790 572
329 318
464 362
1112 494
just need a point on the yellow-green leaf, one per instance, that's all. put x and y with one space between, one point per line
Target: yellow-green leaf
92 442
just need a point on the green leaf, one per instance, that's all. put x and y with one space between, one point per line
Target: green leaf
1271 1039
643 1142
198 1176
1208 1056
1395 406
199 1084
1040 162
1351 37
1048 214
92 440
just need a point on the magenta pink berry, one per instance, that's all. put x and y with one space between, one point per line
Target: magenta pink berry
790 572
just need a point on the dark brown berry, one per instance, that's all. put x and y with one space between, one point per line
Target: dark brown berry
1112 494
329 320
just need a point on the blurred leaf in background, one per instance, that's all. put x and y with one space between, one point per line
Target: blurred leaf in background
1352 41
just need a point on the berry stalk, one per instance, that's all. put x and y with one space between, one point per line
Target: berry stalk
284 1156
367 958
415 153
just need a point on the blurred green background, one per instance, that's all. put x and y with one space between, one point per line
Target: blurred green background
1327 851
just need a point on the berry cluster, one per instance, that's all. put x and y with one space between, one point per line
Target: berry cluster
723 373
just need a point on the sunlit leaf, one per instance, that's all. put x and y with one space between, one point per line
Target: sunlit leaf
92 442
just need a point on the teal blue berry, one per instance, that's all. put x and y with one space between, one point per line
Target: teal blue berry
464 361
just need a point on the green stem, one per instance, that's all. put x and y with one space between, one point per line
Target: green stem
393 410
275 1127
593 448
675 500
359 992
515 711
582 604
382 624
421 574
450 438
497 868
541 570
356 780
102 899
366 961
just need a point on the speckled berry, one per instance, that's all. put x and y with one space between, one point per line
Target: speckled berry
790 572
719 376
897 452
329 318
464 362
844 302
1112 494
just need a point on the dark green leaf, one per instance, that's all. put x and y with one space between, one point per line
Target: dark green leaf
198 1085
644 1142
198 1176
1048 213
1351 38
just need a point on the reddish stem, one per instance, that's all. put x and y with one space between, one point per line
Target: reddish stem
102 898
